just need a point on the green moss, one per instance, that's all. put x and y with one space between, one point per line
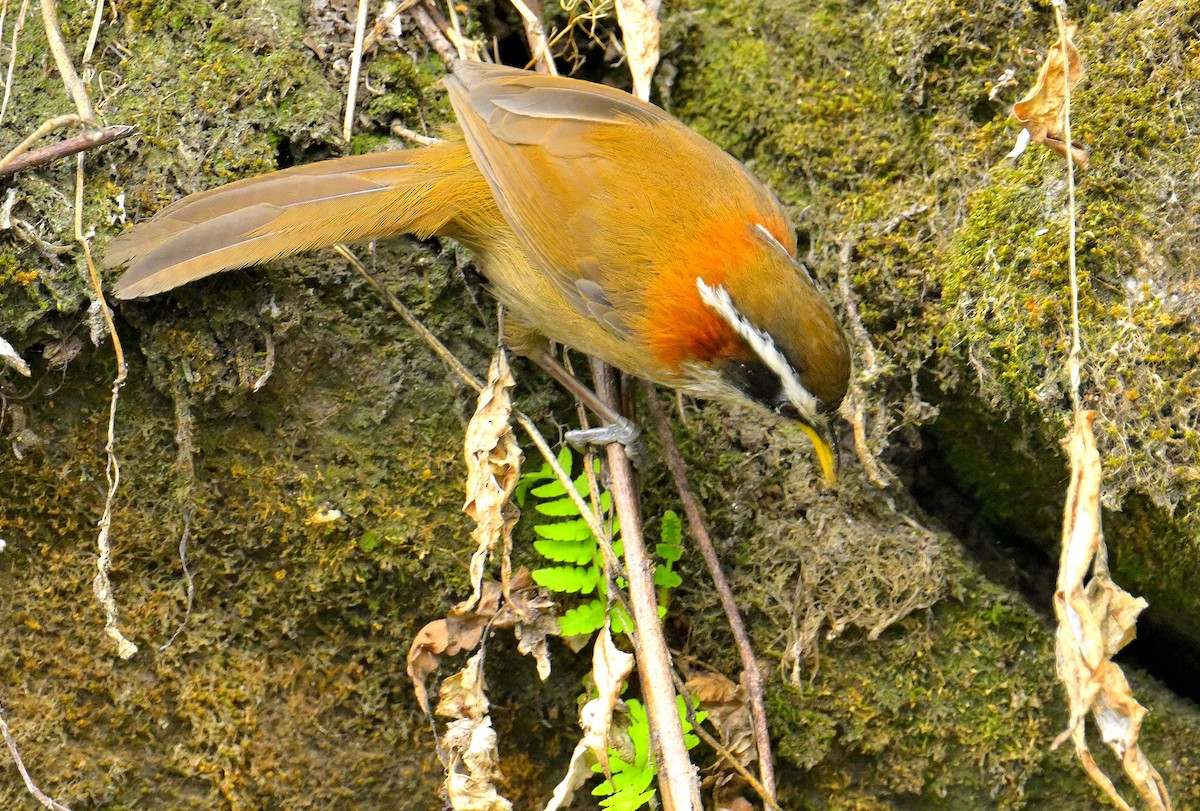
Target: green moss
875 124
286 598
324 523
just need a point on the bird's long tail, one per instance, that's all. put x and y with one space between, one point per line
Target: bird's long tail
434 190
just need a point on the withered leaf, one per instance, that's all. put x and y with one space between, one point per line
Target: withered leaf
473 767
472 761
725 703
640 33
462 695
444 637
1094 622
493 467
611 666
577 774
1043 110
528 611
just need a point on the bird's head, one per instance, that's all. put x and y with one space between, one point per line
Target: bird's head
790 355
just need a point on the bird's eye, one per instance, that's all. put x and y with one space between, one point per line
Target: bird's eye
788 410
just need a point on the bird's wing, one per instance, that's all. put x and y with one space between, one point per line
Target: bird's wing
577 168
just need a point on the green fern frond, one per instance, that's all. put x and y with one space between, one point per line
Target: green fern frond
568 579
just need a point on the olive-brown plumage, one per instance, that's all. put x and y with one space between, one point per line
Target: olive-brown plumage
600 222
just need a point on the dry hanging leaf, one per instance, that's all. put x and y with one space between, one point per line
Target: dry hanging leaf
528 611
456 633
493 467
725 703
1043 111
461 696
610 669
470 781
1094 622
611 666
533 617
639 31
577 774
472 762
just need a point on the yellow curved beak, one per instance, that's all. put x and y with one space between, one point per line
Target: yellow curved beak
826 448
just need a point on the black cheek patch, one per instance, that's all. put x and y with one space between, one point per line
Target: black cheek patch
755 379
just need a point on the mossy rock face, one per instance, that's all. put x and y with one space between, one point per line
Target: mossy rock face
311 446
877 124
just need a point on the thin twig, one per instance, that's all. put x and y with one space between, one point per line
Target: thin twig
535 35
454 31
385 20
185 466
402 131
76 89
38 794
360 31
94 33
434 33
854 409
447 357
677 780
15 162
754 681
590 518
1073 358
188 579
68 120
101 585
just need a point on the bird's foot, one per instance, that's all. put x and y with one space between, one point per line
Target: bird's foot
625 432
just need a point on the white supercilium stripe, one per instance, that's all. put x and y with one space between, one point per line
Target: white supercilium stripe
718 299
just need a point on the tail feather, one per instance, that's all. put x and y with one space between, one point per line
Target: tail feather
354 199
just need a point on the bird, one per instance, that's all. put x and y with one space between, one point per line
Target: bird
598 221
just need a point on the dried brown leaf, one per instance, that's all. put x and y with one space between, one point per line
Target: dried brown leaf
528 611
611 667
462 695
493 467
578 773
1094 622
472 761
444 637
1043 110
473 766
533 616
725 702
640 30
738 803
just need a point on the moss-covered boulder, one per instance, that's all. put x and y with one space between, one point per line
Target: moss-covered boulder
306 446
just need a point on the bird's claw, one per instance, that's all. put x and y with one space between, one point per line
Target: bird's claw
625 432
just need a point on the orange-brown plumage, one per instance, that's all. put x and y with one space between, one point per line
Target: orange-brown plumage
599 221
678 326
